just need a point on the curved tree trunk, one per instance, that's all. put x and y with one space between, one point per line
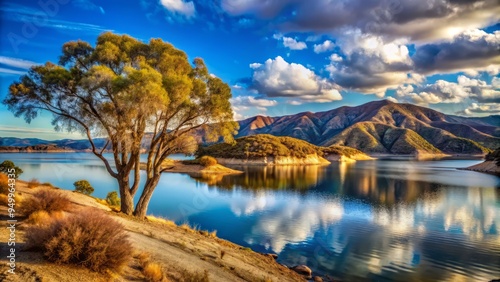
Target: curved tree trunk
142 206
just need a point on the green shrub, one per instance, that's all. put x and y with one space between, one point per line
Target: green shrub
208 161
89 238
84 187
112 199
8 167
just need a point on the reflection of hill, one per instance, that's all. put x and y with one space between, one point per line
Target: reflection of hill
271 178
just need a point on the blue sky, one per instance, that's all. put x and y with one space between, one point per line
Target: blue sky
283 56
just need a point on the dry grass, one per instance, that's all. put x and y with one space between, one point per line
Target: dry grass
186 227
33 183
160 220
18 200
90 239
45 200
196 276
153 272
4 181
43 218
143 258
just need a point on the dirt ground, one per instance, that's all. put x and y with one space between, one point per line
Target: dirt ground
178 249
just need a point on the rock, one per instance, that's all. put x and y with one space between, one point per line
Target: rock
317 279
303 270
274 256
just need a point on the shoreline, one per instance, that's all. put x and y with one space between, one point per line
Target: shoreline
179 248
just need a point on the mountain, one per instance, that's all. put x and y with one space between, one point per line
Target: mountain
384 127
380 127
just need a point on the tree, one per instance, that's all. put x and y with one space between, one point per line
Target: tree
8 167
129 92
112 199
84 187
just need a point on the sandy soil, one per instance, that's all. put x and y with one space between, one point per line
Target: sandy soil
177 249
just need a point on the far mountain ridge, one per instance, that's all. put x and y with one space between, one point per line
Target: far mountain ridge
379 127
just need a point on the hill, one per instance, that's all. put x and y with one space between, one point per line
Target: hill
269 149
384 127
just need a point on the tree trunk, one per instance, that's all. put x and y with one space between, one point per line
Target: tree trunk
142 206
126 199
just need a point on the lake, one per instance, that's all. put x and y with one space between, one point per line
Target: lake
384 220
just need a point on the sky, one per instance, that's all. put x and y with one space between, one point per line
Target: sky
284 56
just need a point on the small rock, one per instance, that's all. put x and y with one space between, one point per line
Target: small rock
317 279
303 270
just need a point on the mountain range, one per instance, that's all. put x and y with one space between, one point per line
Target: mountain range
384 127
379 127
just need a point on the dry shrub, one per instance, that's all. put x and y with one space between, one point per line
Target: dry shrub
143 258
46 200
208 161
4 200
153 272
33 183
90 239
4 184
42 217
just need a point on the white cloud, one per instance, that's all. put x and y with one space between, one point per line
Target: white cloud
324 47
278 78
16 62
294 44
9 71
392 99
450 92
179 6
486 108
369 65
249 101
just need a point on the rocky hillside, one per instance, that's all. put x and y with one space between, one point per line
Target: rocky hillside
282 150
384 127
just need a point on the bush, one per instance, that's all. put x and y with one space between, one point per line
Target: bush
4 184
112 199
33 183
45 200
207 161
8 167
90 239
153 272
84 187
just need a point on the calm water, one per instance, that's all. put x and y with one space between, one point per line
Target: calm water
385 220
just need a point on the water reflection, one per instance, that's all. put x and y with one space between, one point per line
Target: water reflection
367 221
296 178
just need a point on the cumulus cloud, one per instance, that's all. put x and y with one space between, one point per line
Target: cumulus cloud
417 20
450 92
470 50
486 108
179 6
324 47
293 44
249 101
370 65
278 78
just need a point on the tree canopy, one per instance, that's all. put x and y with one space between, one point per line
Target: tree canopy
124 89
